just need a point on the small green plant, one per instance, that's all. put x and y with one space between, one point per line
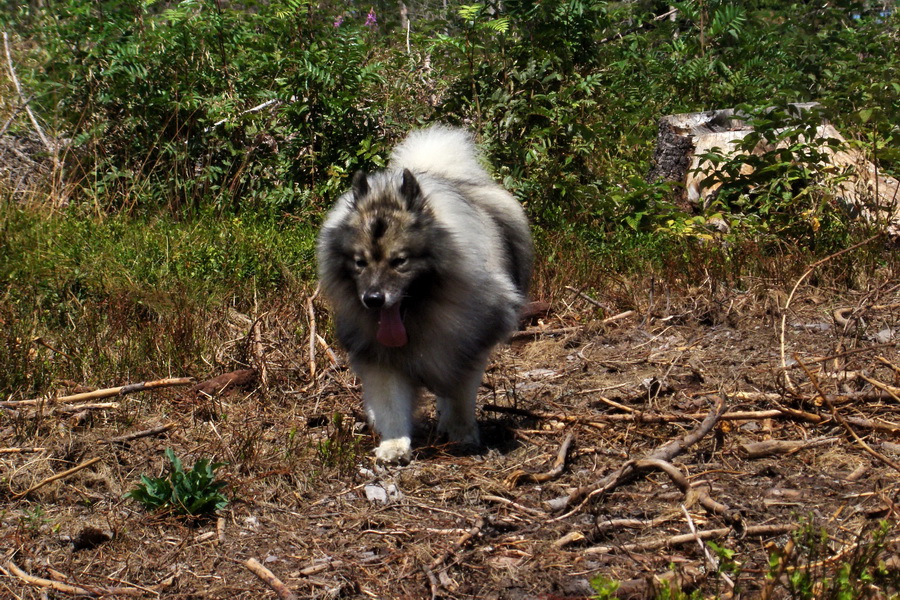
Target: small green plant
341 448
605 587
34 519
194 492
811 570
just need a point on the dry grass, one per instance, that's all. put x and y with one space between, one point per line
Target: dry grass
308 501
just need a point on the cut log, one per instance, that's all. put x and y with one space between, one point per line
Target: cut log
683 138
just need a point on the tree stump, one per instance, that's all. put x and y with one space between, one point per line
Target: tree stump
682 138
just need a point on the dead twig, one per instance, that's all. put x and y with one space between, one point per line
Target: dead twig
711 560
311 312
438 562
627 471
141 434
269 579
20 450
48 583
776 447
677 540
62 475
515 505
679 479
104 393
519 476
840 419
535 332
259 353
51 148
603 421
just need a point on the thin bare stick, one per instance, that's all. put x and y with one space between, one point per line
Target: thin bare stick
519 476
710 559
602 421
37 128
462 541
678 478
105 393
20 450
515 505
141 434
538 332
47 583
840 419
269 579
627 471
311 312
62 475
259 353
891 390
709 534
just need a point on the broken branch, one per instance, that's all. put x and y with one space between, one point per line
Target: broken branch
62 475
269 579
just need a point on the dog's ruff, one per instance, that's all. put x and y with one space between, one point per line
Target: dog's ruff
426 265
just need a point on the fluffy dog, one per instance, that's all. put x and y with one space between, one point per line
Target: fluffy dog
426 266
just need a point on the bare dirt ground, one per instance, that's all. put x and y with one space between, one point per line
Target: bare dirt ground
308 503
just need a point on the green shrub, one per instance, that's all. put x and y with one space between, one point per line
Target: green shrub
193 493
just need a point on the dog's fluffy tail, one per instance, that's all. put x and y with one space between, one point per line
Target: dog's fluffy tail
445 151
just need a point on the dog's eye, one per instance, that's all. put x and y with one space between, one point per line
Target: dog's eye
361 263
398 262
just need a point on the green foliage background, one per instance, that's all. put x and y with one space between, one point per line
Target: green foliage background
204 140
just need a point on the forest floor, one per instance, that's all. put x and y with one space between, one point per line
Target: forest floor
663 425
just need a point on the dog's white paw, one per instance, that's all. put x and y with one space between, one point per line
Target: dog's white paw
396 451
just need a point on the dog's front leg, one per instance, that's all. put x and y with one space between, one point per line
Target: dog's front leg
389 398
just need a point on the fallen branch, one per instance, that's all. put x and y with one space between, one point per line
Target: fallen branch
601 421
519 476
528 334
677 540
141 434
776 447
48 583
69 410
269 579
627 471
840 419
311 312
259 353
438 562
62 475
678 478
515 505
20 450
104 393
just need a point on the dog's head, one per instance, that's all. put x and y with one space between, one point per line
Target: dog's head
388 243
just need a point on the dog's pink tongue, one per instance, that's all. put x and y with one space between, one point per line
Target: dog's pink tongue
391 331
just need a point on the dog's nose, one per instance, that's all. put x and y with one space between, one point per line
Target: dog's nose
373 299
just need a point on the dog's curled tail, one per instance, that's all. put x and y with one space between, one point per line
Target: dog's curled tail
445 151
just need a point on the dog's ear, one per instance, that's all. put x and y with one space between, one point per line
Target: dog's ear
360 186
411 192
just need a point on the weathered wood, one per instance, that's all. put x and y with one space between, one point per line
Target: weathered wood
683 138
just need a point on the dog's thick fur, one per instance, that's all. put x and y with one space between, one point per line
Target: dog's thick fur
426 266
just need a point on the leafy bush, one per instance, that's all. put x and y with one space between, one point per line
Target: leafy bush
193 493
780 183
